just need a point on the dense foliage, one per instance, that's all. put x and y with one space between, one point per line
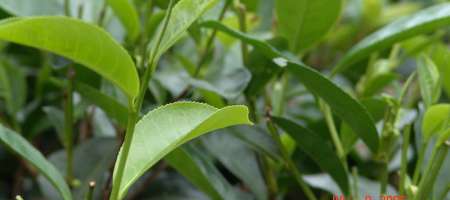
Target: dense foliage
301 99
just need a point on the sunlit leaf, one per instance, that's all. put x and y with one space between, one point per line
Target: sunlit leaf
24 149
155 134
82 42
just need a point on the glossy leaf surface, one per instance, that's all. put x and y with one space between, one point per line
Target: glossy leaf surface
82 42
429 79
24 149
421 22
156 135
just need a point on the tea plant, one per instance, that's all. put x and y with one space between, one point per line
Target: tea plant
305 99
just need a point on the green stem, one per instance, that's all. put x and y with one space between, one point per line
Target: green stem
134 110
132 118
269 176
242 16
430 175
90 193
210 41
289 162
418 168
355 183
404 159
67 7
68 124
333 131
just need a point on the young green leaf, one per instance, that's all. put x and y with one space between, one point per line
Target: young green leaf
305 22
440 54
184 13
20 146
200 170
164 129
421 22
429 79
82 42
435 121
125 10
324 156
346 107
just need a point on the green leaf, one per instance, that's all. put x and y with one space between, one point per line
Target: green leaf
126 12
56 118
342 104
193 164
324 156
82 42
165 128
305 22
29 8
435 121
12 87
20 146
429 79
184 13
346 107
421 22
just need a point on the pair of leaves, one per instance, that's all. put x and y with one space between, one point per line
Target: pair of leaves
304 22
166 128
421 22
345 106
20 146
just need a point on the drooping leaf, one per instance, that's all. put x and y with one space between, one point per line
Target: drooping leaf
31 8
429 79
200 170
12 87
421 22
24 149
82 42
305 22
435 121
184 13
346 107
128 15
239 159
164 129
324 156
